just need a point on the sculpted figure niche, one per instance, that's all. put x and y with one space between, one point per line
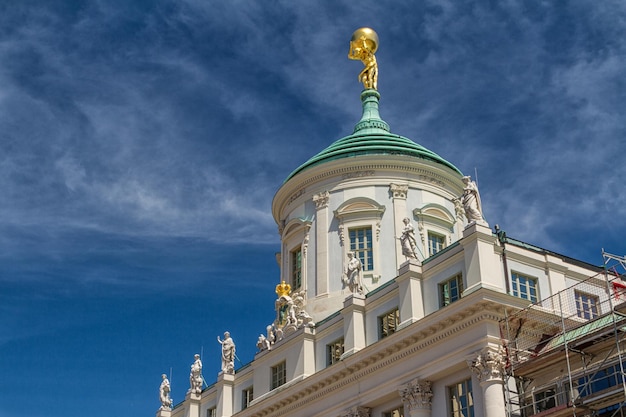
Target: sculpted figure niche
352 277
228 353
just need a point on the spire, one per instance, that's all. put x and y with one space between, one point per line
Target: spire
370 120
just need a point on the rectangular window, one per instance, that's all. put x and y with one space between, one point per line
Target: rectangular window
334 352
524 287
545 400
398 412
296 269
279 375
450 290
461 399
388 323
361 245
436 242
586 305
247 395
211 412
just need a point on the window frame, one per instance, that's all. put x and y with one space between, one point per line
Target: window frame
519 280
446 301
585 309
278 375
384 321
462 411
247 396
443 241
331 351
295 266
365 254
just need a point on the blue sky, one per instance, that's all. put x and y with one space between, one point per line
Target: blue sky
141 144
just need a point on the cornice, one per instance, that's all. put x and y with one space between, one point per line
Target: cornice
380 355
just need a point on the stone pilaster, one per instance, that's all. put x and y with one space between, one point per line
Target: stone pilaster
417 398
353 323
165 412
225 394
193 404
321 201
483 264
398 194
488 367
410 289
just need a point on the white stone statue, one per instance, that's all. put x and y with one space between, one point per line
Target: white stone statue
164 394
407 240
228 353
263 343
352 276
195 376
471 201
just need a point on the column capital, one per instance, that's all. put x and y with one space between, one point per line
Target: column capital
488 365
321 200
357 411
399 190
417 395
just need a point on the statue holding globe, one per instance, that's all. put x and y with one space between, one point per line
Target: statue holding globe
363 46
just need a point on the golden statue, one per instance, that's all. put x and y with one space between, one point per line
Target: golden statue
363 45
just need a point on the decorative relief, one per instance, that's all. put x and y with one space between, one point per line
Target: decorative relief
488 365
377 231
417 395
357 411
321 200
305 241
358 174
399 190
342 235
281 227
295 196
431 180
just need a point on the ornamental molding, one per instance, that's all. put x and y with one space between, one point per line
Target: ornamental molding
381 359
399 190
357 411
321 200
417 395
358 174
488 364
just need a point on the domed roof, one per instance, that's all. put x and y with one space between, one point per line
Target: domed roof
371 136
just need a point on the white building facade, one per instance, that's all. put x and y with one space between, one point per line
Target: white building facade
419 336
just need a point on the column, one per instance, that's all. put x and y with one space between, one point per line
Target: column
321 242
225 389
398 194
410 290
416 397
353 324
489 368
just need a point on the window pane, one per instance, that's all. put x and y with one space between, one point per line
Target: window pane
361 245
524 287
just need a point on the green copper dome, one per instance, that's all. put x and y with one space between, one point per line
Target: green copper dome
371 136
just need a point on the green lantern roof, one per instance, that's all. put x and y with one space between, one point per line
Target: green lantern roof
371 136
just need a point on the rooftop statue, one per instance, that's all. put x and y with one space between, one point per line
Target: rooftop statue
352 275
407 240
164 393
471 201
228 353
363 46
195 376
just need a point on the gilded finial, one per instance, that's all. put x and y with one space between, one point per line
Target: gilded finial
283 289
363 46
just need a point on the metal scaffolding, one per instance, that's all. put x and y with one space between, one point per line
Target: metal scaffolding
565 354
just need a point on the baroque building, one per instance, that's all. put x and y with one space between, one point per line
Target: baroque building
397 299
